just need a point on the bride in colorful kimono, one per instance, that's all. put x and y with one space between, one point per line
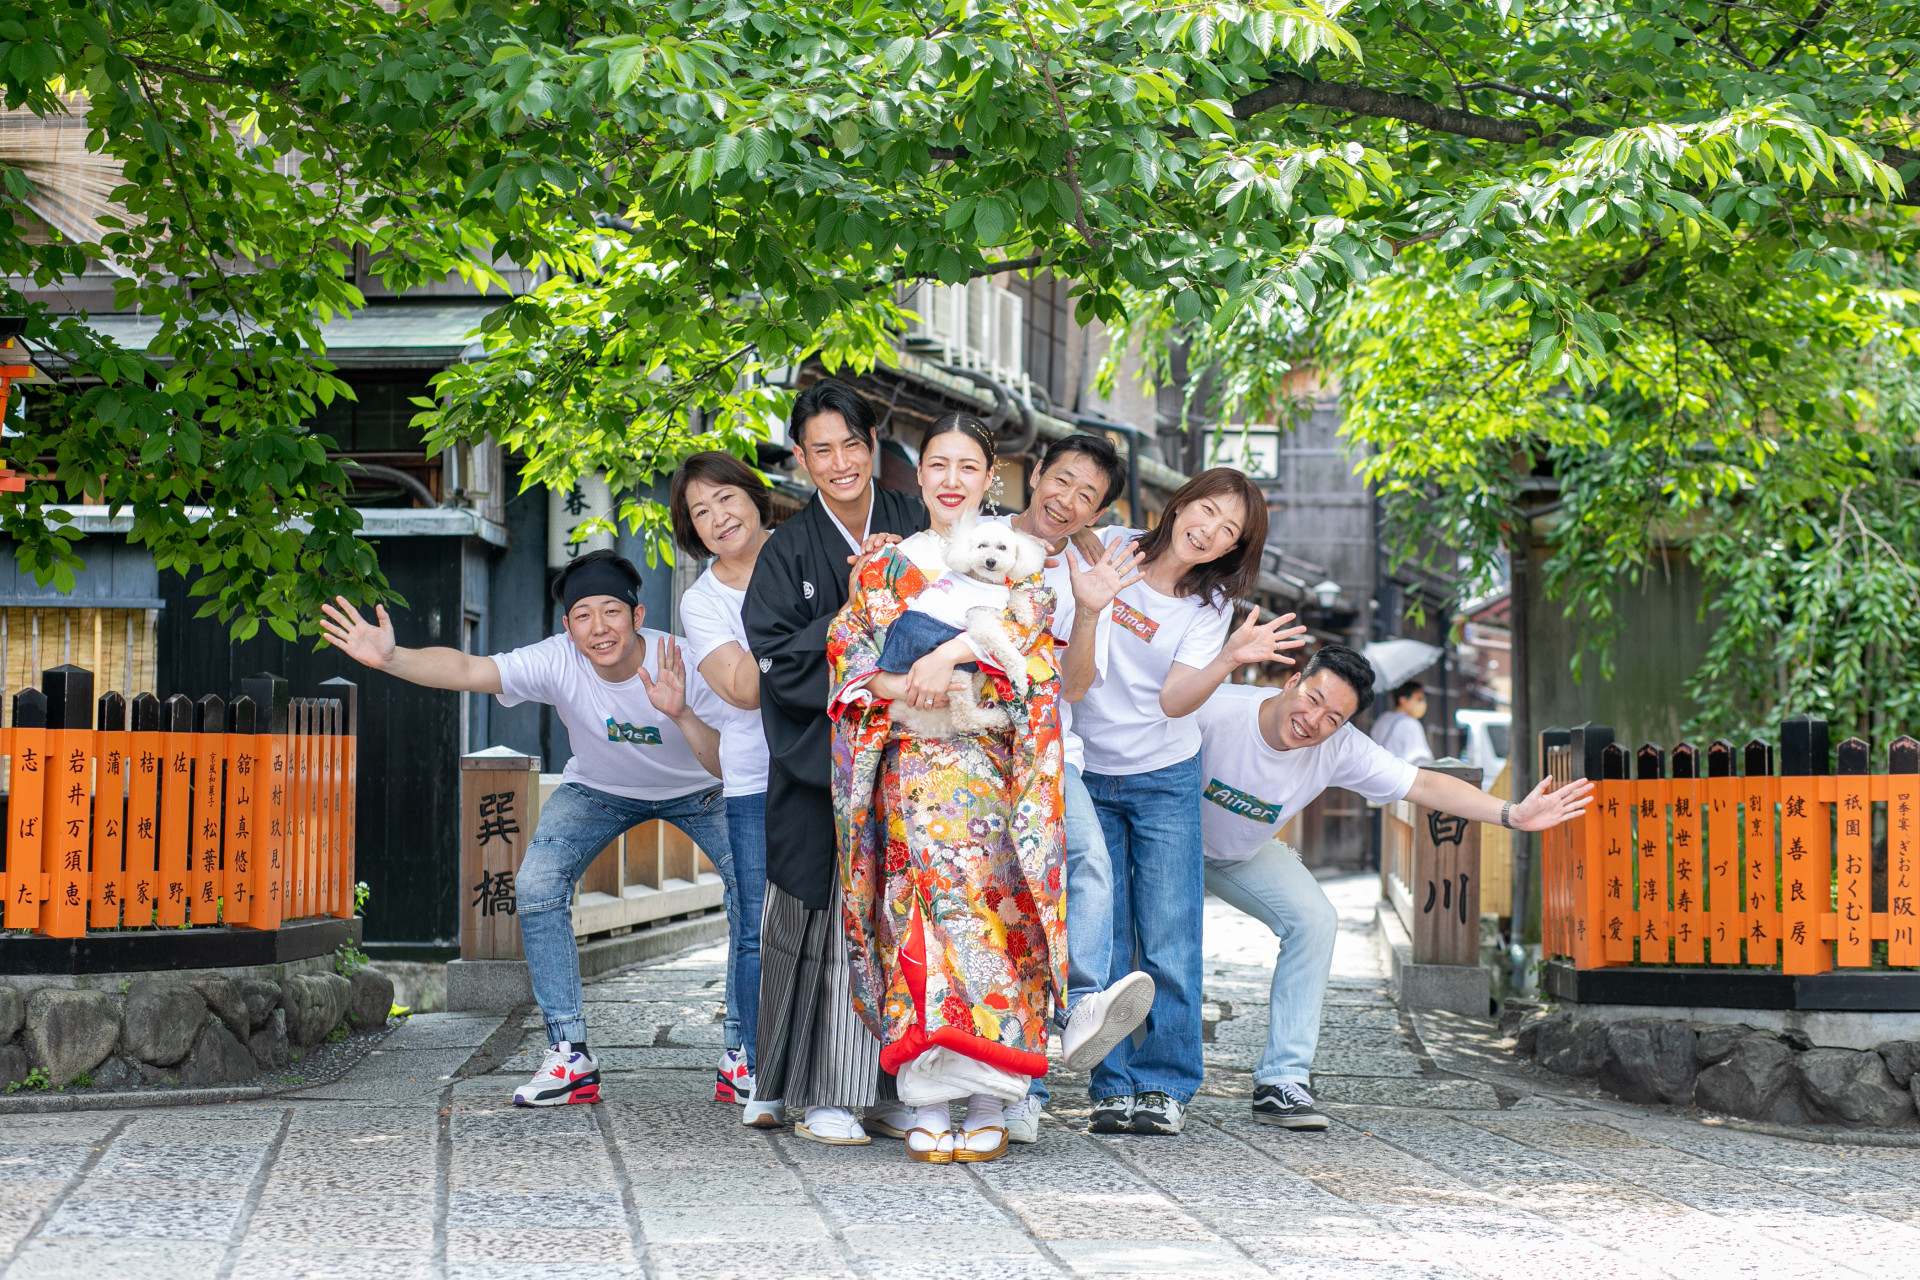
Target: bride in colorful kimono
952 851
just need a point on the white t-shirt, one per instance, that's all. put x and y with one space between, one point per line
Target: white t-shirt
1060 580
1120 719
710 615
1250 789
949 596
621 744
1402 736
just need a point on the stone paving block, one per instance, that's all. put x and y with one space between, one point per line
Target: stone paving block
181 1217
1393 1061
881 1244
70 1126
180 1162
335 1117
553 1207
805 1260
1142 1258
270 1263
316 1225
443 1031
495 1124
1456 1095
34 1161
552 1251
492 1270
514 1168
961 1266
1145 1215
724 1222
674 1188
927 1202
45 1259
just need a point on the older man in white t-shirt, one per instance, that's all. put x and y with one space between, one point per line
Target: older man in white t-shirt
1075 485
1265 754
643 748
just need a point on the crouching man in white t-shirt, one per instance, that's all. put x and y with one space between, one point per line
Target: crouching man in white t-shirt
639 753
1264 755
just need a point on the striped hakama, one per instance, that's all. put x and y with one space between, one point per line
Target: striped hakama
812 1050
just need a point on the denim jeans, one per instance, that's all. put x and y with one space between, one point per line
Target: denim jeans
1275 889
1152 826
743 868
1089 902
576 823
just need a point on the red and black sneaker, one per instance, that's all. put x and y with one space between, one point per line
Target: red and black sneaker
566 1076
733 1079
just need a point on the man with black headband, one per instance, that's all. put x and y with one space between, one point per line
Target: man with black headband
640 752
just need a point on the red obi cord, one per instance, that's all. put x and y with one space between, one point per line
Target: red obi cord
912 958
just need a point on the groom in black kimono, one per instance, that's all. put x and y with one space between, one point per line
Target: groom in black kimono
812 1050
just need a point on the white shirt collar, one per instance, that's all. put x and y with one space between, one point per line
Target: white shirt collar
852 541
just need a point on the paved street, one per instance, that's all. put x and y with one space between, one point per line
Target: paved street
404 1169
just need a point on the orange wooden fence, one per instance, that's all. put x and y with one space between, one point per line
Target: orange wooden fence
141 815
1710 859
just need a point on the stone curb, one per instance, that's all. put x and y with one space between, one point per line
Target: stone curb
133 1100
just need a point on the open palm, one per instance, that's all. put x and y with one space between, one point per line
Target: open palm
1255 641
347 631
1096 584
667 691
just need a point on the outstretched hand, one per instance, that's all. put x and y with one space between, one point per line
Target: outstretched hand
1096 583
667 691
1256 641
347 631
1549 806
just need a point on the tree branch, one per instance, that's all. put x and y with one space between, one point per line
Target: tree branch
1289 90
1800 34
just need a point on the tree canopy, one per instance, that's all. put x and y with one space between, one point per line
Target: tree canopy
722 186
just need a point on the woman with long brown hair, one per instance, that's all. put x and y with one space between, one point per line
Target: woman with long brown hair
1171 648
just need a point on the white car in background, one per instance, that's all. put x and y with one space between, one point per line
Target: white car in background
1487 733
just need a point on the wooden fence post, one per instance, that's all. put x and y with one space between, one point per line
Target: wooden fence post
176 811
499 790
1760 897
1588 744
1853 846
110 813
1903 877
1689 919
269 695
1806 849
237 816
209 737
1555 890
146 762
1723 855
1446 883
1616 802
346 811
1649 845
69 776
26 812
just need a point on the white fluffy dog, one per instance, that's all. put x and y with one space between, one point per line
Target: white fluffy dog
982 559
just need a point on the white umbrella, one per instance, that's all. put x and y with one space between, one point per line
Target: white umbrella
1397 661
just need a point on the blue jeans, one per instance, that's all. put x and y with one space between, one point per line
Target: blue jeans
743 868
1275 889
1152 825
1089 902
576 823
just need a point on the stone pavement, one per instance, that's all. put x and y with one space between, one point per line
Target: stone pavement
1443 1162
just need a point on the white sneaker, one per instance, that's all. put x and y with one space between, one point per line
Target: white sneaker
834 1126
889 1119
564 1077
1105 1018
764 1113
732 1080
1023 1120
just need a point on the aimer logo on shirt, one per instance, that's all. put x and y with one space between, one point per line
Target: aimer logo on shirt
1135 621
1237 802
620 731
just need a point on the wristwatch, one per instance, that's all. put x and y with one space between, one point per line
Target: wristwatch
1506 809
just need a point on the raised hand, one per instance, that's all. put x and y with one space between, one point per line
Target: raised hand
347 631
1547 806
1096 584
1256 641
667 691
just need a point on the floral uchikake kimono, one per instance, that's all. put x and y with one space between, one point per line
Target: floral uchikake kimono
952 850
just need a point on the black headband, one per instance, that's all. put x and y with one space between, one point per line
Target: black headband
598 578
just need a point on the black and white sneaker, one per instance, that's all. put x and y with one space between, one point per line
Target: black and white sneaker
1287 1105
1157 1113
1112 1115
